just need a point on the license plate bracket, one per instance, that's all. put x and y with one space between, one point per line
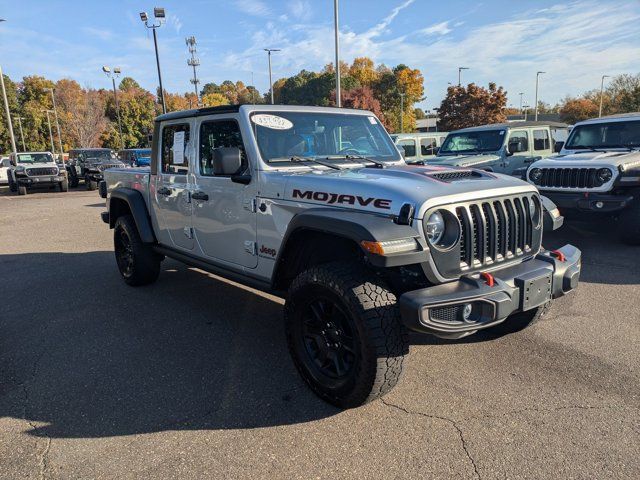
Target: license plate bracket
535 288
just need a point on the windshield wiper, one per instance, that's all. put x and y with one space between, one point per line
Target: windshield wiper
377 163
297 159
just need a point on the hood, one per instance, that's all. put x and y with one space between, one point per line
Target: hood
385 190
614 159
463 160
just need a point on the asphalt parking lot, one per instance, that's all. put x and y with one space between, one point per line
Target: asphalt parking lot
190 377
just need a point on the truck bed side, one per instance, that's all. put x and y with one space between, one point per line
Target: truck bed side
134 178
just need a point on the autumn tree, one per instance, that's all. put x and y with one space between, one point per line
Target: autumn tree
577 109
35 99
81 113
472 105
363 71
389 88
12 97
361 98
138 110
214 99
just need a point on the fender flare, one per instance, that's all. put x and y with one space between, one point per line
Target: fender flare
355 226
138 207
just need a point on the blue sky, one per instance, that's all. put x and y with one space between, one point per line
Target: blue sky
502 41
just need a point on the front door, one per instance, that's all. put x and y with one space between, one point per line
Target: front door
171 193
520 158
224 213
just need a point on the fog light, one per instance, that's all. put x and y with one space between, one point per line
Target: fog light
466 312
599 204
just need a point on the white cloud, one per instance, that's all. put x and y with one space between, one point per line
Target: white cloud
256 8
102 34
441 28
300 9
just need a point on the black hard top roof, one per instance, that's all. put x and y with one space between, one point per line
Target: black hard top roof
197 112
515 124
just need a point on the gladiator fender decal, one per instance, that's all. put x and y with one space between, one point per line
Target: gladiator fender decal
138 208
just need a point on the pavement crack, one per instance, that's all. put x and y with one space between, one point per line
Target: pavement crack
547 410
44 459
450 421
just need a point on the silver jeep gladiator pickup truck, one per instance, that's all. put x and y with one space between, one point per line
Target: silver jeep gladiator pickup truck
317 205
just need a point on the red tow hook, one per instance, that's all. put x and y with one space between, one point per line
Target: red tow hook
488 279
559 255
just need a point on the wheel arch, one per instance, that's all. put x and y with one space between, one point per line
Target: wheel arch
124 201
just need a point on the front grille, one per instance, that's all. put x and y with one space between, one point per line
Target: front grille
569 178
104 166
456 175
34 172
494 231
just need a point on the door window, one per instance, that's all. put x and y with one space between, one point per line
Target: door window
217 134
520 138
409 146
174 146
541 140
428 146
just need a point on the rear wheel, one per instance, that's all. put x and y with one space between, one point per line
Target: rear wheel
137 262
344 333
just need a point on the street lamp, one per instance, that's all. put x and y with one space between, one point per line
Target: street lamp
8 113
269 50
460 74
19 119
55 113
537 80
113 75
159 15
337 45
526 110
521 94
402 112
53 148
193 62
601 93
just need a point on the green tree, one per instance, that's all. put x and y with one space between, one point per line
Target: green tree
14 107
138 110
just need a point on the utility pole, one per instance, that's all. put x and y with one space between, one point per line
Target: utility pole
159 14
53 148
55 114
402 112
460 74
194 61
337 44
526 110
8 113
113 75
537 77
269 50
601 94
521 93
19 119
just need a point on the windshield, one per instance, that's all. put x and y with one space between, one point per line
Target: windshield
101 155
333 136
472 142
35 158
605 135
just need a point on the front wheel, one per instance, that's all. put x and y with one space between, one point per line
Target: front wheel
90 184
137 262
344 333
629 224
64 185
22 190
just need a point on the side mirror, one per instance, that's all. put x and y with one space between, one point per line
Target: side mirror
516 146
226 161
558 146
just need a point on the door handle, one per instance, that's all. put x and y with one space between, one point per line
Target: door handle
200 196
164 191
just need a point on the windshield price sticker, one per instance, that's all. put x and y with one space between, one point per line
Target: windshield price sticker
178 148
372 120
273 122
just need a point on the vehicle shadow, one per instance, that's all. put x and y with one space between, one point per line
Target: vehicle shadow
83 355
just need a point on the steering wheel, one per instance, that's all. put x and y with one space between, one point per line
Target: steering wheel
349 151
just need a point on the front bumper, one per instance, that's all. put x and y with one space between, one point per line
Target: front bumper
588 201
40 180
439 310
95 176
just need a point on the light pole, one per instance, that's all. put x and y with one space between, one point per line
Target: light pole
526 110
521 93
55 114
537 80
460 69
159 15
113 75
269 50
8 113
337 43
402 112
193 62
19 119
53 148
601 94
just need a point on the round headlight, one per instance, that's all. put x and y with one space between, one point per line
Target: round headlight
535 175
435 228
535 210
604 175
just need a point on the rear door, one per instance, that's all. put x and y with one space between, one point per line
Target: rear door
410 150
224 212
542 144
171 191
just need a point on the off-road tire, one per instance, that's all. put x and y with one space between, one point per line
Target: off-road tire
64 185
73 179
22 190
13 186
90 184
521 320
629 223
137 262
371 310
